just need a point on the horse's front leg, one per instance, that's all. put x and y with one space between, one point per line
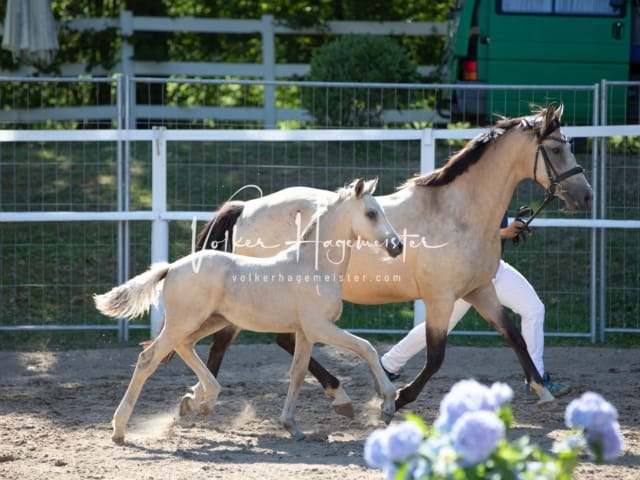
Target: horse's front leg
436 332
488 306
327 332
299 363
341 402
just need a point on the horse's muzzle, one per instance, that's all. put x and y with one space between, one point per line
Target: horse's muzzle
394 247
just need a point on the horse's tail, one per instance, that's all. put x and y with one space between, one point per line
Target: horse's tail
133 298
218 232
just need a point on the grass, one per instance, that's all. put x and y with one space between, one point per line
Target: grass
48 271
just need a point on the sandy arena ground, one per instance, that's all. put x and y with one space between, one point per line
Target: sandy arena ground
56 409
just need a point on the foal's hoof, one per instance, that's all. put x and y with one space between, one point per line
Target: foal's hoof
345 409
206 407
186 406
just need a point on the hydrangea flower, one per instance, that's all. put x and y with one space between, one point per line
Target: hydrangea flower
598 418
475 436
394 444
403 440
470 396
469 439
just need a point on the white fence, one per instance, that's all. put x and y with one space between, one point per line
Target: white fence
590 303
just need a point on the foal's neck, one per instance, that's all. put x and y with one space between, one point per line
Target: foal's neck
327 241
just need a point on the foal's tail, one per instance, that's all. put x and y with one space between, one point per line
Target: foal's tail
133 298
217 233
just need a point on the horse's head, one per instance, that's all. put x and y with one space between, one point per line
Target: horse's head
555 166
369 219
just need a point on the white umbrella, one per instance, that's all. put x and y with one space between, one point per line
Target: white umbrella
30 31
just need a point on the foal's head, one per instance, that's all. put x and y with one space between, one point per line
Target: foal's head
369 221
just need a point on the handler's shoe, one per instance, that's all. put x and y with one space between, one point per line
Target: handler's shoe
390 375
556 389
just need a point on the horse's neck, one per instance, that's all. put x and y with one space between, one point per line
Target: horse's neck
327 241
488 186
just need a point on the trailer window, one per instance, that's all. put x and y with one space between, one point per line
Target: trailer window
560 7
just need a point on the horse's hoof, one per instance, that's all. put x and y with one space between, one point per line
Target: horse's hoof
547 404
185 406
387 416
296 433
117 438
206 407
344 409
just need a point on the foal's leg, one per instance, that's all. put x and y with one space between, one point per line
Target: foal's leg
148 361
298 369
487 304
213 324
327 332
223 339
210 387
436 332
341 402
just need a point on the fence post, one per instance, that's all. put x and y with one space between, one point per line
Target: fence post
160 225
427 164
269 70
123 205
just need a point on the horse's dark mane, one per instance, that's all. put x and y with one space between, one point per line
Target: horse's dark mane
469 155
217 233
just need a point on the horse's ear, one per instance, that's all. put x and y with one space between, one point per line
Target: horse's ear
358 187
559 111
370 186
550 114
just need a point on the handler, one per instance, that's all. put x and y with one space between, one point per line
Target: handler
514 292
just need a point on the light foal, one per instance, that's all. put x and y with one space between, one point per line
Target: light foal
297 291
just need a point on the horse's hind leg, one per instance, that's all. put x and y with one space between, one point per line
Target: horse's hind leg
221 342
208 383
148 361
298 369
214 324
341 402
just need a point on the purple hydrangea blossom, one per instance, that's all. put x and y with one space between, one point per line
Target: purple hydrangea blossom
394 444
470 396
375 449
403 440
598 418
475 436
607 442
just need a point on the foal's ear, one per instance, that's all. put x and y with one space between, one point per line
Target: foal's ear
370 186
358 187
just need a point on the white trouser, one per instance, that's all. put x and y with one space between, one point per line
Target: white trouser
514 292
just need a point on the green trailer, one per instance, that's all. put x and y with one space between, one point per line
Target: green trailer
541 42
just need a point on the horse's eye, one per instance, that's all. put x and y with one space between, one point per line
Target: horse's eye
372 214
556 150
